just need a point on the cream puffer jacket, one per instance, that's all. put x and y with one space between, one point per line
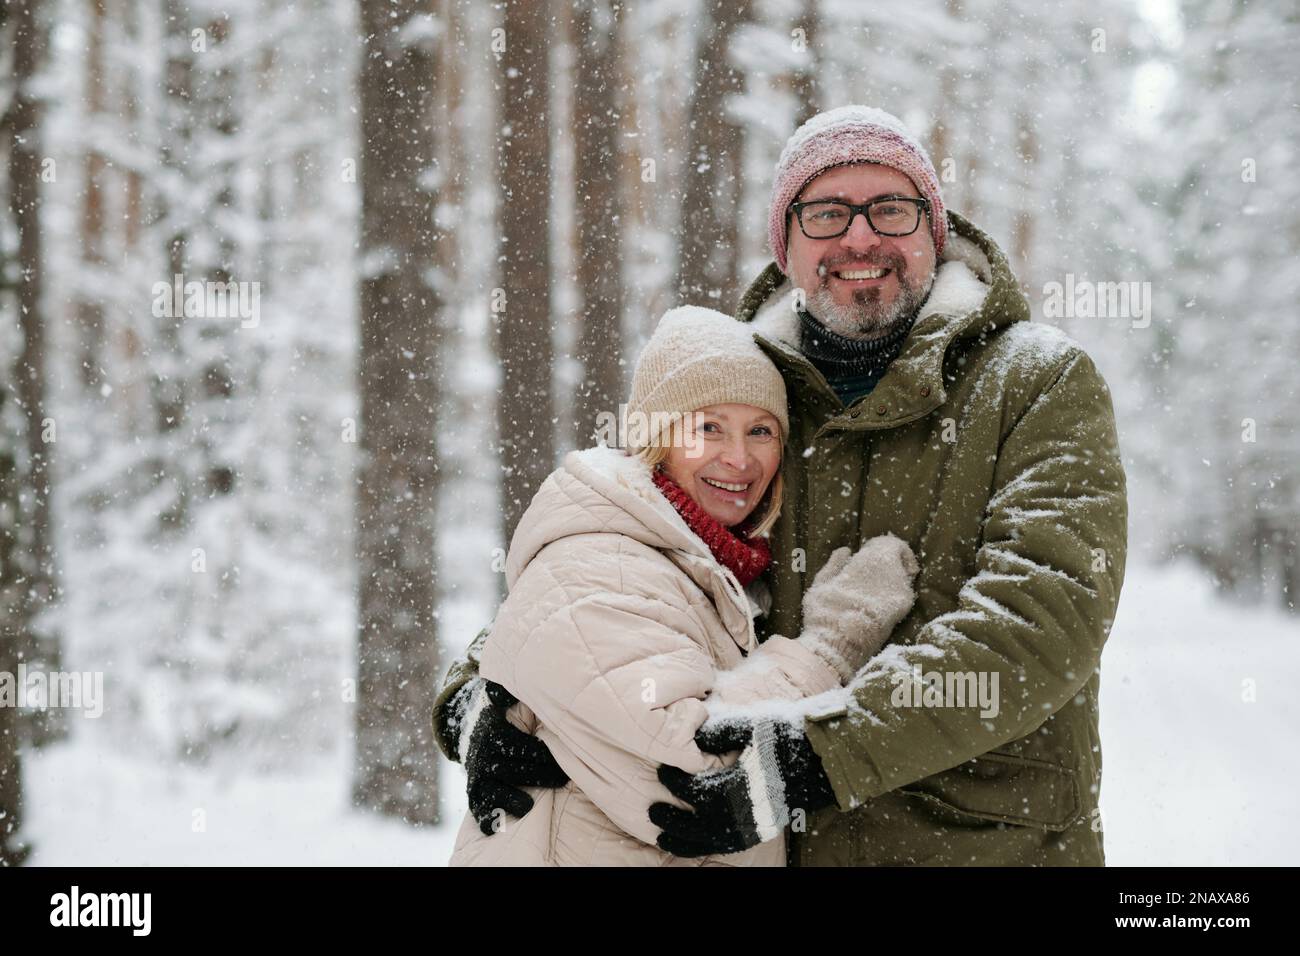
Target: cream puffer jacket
618 624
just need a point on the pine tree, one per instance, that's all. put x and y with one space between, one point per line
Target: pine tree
395 763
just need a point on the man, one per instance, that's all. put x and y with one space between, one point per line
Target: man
924 403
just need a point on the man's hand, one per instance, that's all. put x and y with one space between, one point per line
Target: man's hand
498 757
748 803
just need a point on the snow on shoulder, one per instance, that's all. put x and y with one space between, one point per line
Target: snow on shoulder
1031 347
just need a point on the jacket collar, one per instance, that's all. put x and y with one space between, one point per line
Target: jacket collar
974 293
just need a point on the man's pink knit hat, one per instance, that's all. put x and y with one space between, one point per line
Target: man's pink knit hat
851 134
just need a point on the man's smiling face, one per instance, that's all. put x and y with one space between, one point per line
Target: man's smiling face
861 284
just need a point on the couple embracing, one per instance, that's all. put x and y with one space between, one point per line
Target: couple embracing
879 473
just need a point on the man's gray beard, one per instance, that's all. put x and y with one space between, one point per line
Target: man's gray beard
865 317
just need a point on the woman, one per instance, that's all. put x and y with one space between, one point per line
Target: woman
633 583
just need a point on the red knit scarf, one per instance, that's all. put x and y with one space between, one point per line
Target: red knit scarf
745 557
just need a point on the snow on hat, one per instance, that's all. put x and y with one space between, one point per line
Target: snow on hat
698 357
850 134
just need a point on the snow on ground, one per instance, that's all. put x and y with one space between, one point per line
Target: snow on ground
1193 774
89 806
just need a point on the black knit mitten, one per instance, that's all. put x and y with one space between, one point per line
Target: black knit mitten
748 803
498 757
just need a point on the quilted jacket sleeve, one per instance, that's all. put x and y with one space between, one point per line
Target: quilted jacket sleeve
1037 610
619 686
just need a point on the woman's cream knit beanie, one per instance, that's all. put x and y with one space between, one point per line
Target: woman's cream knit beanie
698 357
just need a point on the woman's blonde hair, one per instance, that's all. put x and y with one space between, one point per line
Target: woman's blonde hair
768 510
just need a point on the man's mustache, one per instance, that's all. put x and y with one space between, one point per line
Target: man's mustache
897 263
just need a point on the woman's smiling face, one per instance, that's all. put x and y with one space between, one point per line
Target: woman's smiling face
727 459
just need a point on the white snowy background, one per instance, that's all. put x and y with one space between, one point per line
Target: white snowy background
223 699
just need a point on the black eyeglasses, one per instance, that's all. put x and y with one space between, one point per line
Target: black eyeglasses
892 216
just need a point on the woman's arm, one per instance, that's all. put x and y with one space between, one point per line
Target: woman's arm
618 684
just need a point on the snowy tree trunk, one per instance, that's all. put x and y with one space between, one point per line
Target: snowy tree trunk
522 329
90 312
168 385
11 628
707 264
41 644
395 772
599 214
